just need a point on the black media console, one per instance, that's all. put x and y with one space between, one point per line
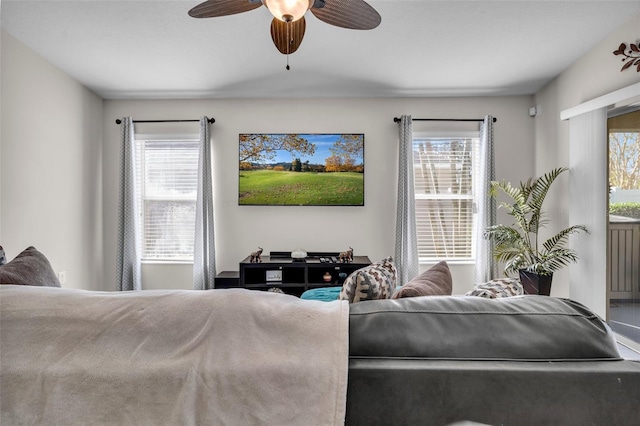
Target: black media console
292 276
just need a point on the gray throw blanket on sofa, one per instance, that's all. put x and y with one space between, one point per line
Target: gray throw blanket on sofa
223 357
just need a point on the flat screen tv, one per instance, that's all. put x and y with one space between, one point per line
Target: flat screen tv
288 169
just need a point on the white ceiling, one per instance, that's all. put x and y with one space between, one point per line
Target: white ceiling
153 49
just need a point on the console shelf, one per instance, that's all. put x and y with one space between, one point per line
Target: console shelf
295 277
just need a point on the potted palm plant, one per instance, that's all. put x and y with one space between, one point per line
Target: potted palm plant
518 245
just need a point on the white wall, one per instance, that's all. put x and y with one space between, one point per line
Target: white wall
595 74
370 230
50 167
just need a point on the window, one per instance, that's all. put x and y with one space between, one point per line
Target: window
445 179
167 181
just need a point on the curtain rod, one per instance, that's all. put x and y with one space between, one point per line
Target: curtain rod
397 120
211 120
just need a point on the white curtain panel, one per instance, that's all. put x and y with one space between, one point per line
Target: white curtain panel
406 250
486 267
588 205
128 256
204 263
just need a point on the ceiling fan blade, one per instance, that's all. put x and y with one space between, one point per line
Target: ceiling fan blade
287 36
352 14
214 8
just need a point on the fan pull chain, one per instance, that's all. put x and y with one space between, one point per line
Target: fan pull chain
289 43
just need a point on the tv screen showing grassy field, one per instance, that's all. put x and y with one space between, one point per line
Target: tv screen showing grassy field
301 169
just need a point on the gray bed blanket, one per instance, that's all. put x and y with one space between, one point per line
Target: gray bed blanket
174 357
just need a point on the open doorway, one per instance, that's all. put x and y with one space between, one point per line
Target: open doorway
623 290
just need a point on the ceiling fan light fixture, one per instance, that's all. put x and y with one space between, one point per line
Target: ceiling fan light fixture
288 10
288 25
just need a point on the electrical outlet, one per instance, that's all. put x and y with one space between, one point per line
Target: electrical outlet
62 276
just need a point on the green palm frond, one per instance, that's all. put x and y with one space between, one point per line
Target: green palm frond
515 264
517 245
525 188
562 237
502 234
514 192
559 258
541 186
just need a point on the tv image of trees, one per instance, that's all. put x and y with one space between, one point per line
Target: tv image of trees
301 169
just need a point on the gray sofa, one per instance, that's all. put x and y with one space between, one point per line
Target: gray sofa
527 360
215 357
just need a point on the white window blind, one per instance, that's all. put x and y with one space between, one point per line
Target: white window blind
445 177
167 181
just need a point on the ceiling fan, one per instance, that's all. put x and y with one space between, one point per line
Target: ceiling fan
288 25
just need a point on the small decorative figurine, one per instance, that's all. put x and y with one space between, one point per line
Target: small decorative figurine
326 277
346 256
255 256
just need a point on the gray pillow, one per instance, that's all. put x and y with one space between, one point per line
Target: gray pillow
29 268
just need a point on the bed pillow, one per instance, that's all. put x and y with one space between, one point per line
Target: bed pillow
373 282
435 281
497 288
29 268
